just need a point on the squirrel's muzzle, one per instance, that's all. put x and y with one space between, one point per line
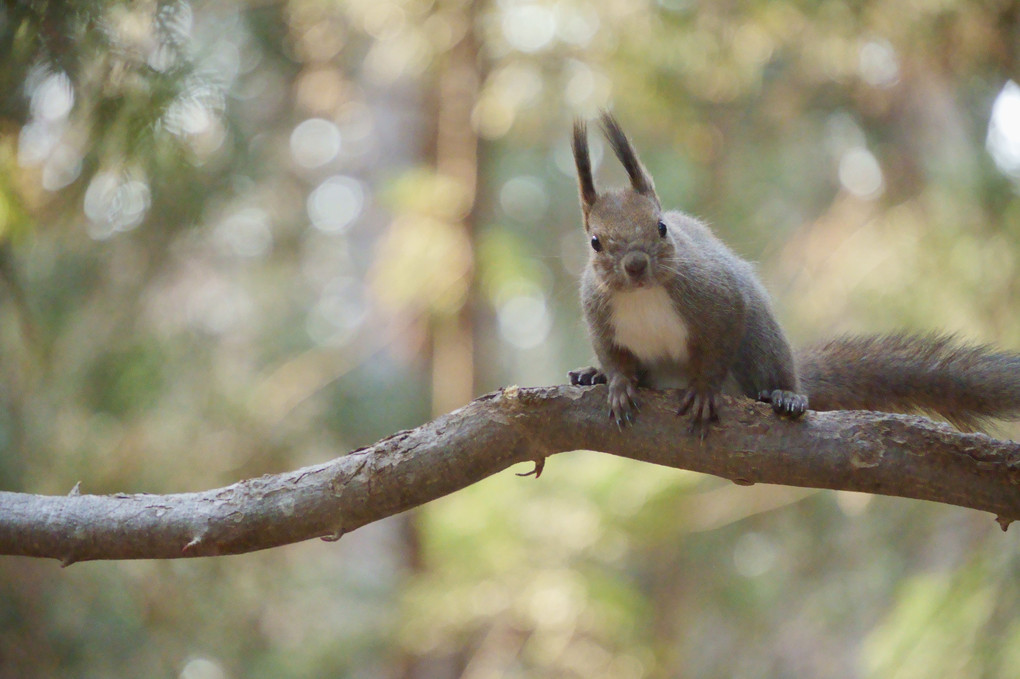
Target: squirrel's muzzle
635 264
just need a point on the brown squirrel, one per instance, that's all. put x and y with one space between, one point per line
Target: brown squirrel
668 304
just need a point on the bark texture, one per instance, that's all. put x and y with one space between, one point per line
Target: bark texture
871 452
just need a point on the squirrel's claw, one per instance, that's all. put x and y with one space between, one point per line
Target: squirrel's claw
701 406
586 377
622 414
785 402
622 401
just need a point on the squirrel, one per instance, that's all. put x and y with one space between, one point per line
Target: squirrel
668 304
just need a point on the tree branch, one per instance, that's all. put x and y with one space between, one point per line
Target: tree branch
871 452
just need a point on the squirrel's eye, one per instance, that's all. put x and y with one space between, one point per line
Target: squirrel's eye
595 244
662 228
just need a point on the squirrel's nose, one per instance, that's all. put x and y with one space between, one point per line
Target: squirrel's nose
635 264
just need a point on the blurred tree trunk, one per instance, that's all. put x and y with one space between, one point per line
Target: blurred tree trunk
455 155
456 150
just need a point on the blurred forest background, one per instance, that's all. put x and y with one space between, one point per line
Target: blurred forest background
241 237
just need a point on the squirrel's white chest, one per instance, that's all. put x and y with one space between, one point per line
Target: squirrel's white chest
645 322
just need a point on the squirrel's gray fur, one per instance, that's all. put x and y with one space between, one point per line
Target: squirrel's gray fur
668 304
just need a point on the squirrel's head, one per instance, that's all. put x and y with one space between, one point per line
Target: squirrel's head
630 240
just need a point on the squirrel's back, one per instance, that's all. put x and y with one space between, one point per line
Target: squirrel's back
932 374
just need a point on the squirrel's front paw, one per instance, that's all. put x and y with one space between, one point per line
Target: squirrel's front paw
622 400
700 403
785 402
586 377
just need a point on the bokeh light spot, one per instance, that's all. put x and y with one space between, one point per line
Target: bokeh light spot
524 320
878 65
115 204
53 98
528 27
335 203
860 173
245 233
1003 141
524 198
314 142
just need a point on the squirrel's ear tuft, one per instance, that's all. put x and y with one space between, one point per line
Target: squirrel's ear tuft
585 183
640 180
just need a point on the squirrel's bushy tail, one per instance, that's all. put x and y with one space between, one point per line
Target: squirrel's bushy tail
931 374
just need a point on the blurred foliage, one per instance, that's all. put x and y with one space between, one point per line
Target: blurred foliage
234 237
